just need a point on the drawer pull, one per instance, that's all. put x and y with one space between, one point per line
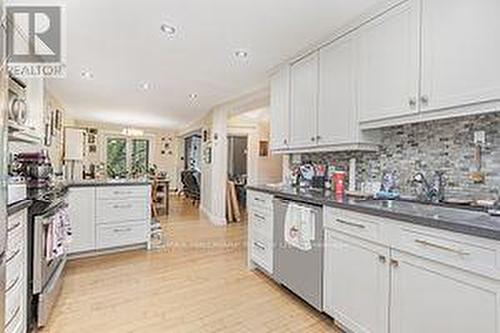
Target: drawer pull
382 259
260 217
122 192
9 288
259 245
13 256
122 206
122 230
18 309
356 225
260 200
441 247
14 227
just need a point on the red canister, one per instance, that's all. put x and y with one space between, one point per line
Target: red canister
339 181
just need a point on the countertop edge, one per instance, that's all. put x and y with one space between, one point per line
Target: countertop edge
468 229
107 184
18 206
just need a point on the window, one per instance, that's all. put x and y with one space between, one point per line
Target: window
140 156
116 157
126 157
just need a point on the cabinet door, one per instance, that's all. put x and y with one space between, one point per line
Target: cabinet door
435 298
280 108
388 49
337 93
356 283
461 52
304 102
82 215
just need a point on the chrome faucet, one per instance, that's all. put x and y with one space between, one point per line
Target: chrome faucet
432 192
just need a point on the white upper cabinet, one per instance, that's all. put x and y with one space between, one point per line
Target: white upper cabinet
280 108
304 102
388 64
461 52
337 121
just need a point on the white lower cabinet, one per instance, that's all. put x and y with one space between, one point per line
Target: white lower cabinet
409 279
82 210
430 297
260 231
356 283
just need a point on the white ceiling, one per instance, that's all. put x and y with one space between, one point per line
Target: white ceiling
121 43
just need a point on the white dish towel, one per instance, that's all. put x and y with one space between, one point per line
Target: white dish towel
300 229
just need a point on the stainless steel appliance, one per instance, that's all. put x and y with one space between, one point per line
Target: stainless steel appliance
18 109
3 165
291 263
47 272
49 200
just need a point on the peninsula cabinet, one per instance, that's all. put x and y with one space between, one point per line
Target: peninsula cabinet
280 106
383 275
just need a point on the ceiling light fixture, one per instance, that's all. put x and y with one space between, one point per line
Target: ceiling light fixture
144 86
242 54
132 132
193 96
168 29
86 74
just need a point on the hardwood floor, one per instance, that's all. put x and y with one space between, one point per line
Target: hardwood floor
198 283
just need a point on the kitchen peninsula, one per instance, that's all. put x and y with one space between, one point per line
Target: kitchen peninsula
109 215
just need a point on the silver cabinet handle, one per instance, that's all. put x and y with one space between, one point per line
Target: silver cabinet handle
122 206
14 227
259 216
313 139
13 316
259 245
122 229
318 137
424 99
382 259
441 247
9 288
394 263
122 192
259 200
285 141
351 224
9 259
412 102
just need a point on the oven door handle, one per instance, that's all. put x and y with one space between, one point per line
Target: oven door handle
52 210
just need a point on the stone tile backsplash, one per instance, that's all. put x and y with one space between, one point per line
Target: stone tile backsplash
446 145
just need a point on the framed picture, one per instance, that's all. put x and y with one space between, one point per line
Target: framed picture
58 120
263 148
52 122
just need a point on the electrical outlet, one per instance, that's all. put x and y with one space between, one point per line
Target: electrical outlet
479 137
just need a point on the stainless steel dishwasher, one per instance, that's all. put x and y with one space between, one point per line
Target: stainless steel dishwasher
299 271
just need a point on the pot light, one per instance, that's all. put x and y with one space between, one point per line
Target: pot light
86 74
144 86
242 54
168 29
193 96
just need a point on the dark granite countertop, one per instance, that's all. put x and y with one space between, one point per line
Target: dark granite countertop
107 182
465 221
18 206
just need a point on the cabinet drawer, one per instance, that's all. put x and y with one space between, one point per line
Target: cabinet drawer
109 211
13 298
358 225
122 234
122 192
262 251
477 258
259 200
261 222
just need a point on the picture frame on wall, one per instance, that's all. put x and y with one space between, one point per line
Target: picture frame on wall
58 119
52 123
263 148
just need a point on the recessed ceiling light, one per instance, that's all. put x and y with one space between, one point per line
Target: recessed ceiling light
86 74
242 54
144 86
193 96
168 29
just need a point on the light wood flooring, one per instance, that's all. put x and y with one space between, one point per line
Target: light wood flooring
198 283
